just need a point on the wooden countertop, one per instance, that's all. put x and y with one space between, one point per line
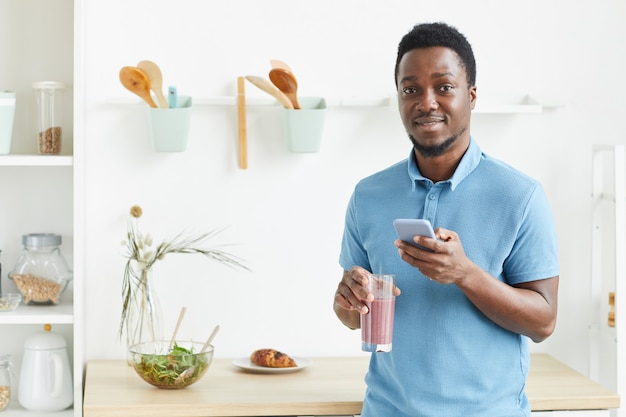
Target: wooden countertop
551 385
329 386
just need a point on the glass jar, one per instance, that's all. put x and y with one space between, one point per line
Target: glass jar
5 381
41 273
49 100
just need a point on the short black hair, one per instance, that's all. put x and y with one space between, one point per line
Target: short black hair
426 35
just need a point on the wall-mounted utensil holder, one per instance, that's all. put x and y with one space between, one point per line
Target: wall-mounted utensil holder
304 127
7 115
170 126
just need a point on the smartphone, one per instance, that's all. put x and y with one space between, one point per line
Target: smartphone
407 228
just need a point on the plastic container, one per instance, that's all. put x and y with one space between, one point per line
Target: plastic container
41 273
170 127
45 376
49 99
304 127
5 381
7 115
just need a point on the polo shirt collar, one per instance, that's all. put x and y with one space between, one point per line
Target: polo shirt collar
469 161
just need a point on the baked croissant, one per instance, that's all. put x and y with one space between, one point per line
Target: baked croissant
271 358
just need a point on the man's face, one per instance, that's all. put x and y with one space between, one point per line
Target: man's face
435 100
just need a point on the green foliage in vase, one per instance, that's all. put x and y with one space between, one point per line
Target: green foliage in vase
141 255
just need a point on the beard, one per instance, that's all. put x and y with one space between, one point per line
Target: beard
437 150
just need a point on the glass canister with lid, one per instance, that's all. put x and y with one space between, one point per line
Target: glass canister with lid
48 96
5 381
41 274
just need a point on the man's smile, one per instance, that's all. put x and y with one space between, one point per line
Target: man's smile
428 123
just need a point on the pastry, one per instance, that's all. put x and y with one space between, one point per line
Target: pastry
271 358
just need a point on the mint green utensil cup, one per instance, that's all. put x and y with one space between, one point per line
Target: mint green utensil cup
170 127
304 127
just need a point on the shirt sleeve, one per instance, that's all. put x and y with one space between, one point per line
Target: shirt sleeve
535 253
352 250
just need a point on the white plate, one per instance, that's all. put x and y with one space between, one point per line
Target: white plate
247 365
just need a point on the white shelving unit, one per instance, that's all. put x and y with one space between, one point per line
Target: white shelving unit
607 352
43 188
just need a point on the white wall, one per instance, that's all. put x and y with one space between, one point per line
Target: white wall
286 211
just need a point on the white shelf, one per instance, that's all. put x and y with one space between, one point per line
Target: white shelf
507 108
34 314
16 410
526 104
253 101
36 160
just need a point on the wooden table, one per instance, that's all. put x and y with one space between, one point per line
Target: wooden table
329 386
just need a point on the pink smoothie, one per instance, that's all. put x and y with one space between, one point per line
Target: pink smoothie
377 325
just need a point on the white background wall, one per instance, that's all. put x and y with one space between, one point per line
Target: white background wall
285 212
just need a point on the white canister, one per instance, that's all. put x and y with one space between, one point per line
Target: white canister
45 377
7 115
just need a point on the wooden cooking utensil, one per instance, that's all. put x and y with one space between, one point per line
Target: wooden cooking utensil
241 118
277 63
189 371
210 339
271 89
180 320
153 72
136 81
286 82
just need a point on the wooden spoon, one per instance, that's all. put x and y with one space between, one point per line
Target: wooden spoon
271 89
286 82
153 72
136 81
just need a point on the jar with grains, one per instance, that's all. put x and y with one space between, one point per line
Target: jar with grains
5 381
41 273
49 100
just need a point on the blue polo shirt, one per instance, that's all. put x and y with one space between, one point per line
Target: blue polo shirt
448 359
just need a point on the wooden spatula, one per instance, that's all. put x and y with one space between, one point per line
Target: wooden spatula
277 63
241 120
271 89
153 72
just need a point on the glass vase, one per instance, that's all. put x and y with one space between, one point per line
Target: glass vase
144 319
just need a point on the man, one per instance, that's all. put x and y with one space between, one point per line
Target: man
466 309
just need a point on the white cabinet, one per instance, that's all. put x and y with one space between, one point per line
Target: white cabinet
37 43
608 268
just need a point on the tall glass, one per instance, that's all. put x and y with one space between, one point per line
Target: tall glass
377 324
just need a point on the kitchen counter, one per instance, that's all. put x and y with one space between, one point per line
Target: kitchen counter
329 386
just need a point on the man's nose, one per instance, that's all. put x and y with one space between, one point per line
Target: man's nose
427 101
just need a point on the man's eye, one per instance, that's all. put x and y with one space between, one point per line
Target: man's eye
408 90
446 88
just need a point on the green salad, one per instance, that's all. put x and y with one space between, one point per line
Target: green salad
176 369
